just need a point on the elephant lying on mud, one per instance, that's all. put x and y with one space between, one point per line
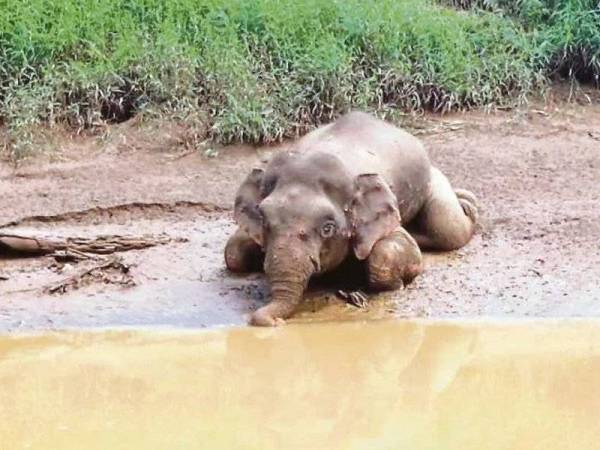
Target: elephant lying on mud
356 185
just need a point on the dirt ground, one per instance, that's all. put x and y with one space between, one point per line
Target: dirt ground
537 252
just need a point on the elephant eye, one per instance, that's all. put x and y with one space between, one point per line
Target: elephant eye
328 229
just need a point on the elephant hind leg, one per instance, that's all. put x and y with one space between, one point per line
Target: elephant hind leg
243 254
394 261
448 218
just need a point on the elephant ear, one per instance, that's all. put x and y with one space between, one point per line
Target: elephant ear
374 213
246 212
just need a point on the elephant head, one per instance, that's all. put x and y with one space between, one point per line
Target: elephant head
308 214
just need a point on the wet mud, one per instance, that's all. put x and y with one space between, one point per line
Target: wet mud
384 385
536 253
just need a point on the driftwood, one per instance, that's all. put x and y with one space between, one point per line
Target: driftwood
97 252
106 270
22 245
75 249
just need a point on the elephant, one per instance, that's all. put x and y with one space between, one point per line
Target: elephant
359 188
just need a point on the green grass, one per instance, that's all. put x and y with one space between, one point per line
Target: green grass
258 70
566 33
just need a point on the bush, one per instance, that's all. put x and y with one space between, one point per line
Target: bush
260 69
565 32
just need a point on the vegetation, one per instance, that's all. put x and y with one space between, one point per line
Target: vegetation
566 33
260 70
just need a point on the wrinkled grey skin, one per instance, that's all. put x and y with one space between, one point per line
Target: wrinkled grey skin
354 186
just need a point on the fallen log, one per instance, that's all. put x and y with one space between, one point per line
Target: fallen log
76 248
11 244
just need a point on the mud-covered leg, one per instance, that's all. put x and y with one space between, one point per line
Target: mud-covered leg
448 219
394 261
243 254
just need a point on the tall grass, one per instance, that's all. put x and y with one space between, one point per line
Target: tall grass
566 33
258 70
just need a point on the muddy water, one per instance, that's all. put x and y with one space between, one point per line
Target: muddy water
383 385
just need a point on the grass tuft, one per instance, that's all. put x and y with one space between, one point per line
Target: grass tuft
258 70
566 33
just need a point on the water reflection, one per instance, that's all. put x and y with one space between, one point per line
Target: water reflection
385 385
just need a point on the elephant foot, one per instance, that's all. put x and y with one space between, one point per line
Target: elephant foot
394 261
466 195
468 201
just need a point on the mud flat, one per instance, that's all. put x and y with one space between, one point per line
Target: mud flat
353 385
536 253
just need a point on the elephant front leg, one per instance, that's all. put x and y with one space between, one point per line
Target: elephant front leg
394 261
243 254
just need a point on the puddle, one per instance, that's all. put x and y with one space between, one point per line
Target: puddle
354 385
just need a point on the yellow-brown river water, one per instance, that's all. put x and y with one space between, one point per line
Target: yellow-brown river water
377 385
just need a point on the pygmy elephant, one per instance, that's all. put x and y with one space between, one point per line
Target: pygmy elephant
356 186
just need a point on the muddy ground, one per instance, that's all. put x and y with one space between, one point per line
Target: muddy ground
536 173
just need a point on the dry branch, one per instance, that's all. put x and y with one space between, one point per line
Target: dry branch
111 270
76 248
105 269
358 298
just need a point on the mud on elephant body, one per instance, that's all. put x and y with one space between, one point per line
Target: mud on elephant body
354 186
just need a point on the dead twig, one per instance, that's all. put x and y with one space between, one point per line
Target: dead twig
70 255
593 136
110 271
358 298
540 112
182 155
439 128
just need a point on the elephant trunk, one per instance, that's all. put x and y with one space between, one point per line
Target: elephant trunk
288 272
